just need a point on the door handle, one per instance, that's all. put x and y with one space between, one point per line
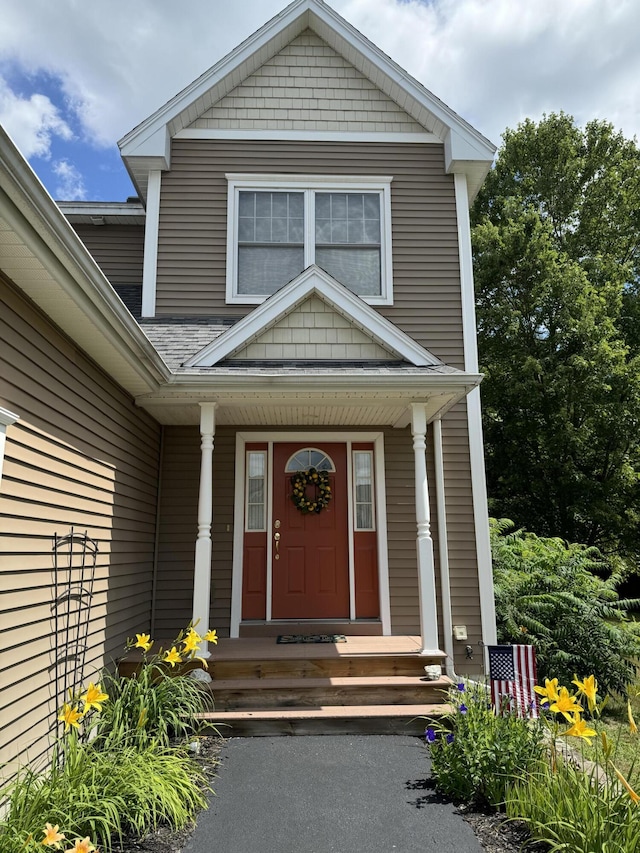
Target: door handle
277 541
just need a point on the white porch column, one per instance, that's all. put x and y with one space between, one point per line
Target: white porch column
426 566
202 568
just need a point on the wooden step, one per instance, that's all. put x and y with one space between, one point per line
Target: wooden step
236 693
329 719
318 667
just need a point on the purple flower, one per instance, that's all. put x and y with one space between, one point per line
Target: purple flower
463 708
430 735
461 686
449 738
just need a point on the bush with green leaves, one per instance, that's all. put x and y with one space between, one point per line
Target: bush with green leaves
476 753
562 598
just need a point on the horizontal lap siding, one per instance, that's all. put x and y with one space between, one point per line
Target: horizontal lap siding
81 455
178 528
193 222
117 249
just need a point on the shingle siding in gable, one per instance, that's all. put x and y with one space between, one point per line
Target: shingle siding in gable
308 86
193 223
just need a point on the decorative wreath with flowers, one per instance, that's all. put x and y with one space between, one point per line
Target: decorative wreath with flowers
322 490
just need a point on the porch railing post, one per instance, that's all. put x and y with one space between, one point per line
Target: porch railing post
426 565
202 567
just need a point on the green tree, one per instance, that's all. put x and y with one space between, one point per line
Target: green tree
556 234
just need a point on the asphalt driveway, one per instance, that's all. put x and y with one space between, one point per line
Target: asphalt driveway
331 794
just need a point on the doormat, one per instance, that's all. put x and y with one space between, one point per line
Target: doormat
312 638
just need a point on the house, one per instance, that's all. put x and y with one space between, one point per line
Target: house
255 386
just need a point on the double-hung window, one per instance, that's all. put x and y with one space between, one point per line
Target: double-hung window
278 225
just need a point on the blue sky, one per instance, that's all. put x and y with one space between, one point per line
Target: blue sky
75 77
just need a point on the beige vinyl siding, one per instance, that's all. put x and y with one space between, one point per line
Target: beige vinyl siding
117 249
178 529
81 455
308 86
193 223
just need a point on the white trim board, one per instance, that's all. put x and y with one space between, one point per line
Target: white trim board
306 135
6 419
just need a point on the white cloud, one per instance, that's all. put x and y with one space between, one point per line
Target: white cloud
71 183
31 122
493 61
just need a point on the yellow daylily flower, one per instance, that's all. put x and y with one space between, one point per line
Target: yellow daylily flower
83 845
70 715
580 729
94 697
549 691
143 641
191 642
632 723
626 785
211 636
172 657
588 688
52 836
566 704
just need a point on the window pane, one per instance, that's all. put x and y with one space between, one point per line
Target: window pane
264 269
364 517
255 495
358 269
363 489
310 458
270 217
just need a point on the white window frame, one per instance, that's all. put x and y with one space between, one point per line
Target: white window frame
309 185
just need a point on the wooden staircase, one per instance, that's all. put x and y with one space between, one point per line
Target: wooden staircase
368 684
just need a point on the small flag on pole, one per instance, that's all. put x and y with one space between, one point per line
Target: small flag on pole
512 670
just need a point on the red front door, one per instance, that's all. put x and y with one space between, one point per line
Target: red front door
310 566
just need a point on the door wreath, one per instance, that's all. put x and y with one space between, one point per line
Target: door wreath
321 496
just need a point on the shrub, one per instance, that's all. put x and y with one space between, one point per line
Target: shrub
477 758
103 794
158 703
549 593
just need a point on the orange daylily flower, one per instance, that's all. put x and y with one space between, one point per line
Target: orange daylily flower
52 836
82 845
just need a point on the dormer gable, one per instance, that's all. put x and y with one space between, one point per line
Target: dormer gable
313 318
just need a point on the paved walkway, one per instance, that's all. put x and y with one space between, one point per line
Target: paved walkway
331 794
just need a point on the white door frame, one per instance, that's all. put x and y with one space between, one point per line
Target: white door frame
348 438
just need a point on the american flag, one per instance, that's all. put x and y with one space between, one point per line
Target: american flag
512 670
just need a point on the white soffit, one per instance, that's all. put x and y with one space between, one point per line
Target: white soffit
340 298
147 146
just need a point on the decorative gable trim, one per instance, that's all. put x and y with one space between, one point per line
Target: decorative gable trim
466 149
285 300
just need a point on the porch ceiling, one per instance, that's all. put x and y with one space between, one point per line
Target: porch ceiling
346 406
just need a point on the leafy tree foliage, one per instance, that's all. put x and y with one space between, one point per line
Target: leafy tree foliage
550 594
556 233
